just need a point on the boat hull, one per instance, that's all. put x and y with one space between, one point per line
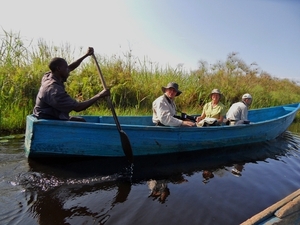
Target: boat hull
100 137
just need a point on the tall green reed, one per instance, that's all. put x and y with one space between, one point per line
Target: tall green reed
134 82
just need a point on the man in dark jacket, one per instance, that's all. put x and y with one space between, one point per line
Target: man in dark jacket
52 101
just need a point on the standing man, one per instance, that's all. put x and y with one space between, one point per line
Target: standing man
52 101
164 108
238 112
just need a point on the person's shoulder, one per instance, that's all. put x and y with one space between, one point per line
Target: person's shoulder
221 104
234 105
207 105
160 98
49 79
157 100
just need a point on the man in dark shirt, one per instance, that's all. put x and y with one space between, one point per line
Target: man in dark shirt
52 101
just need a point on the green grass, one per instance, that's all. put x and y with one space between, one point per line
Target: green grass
134 83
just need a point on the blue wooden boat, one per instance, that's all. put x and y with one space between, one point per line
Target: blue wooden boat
100 137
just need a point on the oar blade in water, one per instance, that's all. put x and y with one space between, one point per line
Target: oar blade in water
126 146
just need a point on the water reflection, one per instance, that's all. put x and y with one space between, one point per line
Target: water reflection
207 175
74 201
89 191
159 189
237 169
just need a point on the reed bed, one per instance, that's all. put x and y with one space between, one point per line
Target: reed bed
134 82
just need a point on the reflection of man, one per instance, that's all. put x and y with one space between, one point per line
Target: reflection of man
158 189
237 170
207 175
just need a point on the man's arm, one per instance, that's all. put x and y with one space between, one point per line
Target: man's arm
75 64
244 113
84 105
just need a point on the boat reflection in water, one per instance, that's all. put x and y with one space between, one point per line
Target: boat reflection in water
88 190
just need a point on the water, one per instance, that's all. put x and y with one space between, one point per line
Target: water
222 186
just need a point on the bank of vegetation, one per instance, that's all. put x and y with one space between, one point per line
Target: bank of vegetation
134 82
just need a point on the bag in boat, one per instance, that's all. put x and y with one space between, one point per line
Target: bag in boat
207 122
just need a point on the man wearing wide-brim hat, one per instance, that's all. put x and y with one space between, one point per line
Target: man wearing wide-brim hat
238 112
164 108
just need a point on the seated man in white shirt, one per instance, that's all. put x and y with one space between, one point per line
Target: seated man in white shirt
164 108
238 112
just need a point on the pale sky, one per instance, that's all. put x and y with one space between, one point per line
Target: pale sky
167 32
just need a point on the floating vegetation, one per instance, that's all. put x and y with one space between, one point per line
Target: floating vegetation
6 139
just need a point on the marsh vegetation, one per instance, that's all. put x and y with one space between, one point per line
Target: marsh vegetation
134 82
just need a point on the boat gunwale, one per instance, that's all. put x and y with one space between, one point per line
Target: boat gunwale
294 108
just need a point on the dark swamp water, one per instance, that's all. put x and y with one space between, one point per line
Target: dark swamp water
222 186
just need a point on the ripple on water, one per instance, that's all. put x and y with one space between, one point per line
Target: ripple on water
225 187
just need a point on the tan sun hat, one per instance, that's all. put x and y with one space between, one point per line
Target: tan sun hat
172 85
216 91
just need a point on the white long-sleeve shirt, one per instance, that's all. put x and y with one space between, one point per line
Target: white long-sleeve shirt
164 110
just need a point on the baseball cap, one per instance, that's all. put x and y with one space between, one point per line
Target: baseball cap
246 96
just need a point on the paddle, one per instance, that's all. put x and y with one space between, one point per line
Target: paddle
124 139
